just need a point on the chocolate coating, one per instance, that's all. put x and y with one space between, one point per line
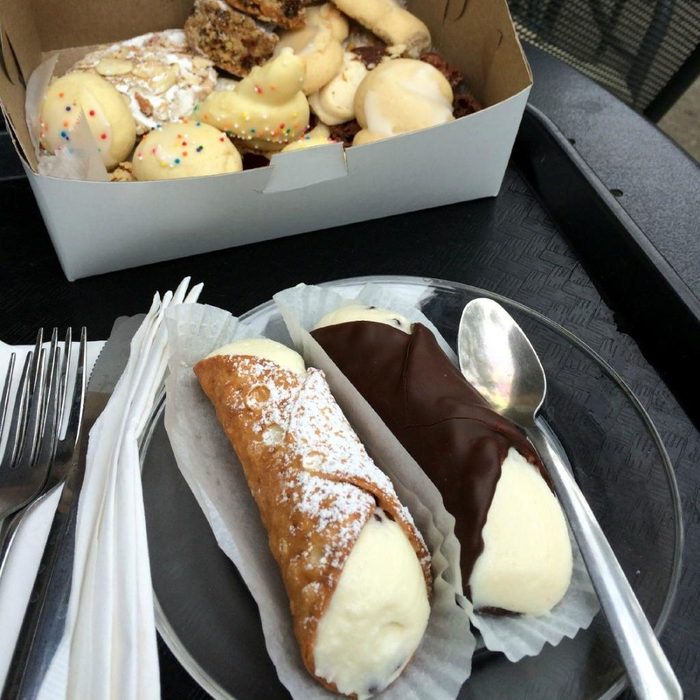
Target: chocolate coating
441 420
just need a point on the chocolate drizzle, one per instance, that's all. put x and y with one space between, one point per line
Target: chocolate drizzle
441 420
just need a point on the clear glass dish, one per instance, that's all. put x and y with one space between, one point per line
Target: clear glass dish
209 620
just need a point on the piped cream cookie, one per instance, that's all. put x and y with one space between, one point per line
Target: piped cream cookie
399 96
334 103
267 109
89 96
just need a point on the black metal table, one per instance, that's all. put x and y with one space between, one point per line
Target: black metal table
533 243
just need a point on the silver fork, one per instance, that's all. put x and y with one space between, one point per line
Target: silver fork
41 412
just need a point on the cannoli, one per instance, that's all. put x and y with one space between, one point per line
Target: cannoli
516 553
355 568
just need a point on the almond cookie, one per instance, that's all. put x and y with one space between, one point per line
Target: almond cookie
319 45
266 110
160 76
233 41
399 96
390 22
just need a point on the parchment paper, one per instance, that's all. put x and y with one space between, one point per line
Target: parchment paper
211 468
518 636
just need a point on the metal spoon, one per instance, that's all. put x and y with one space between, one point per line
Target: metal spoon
498 360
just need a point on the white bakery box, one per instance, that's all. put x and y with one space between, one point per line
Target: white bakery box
98 227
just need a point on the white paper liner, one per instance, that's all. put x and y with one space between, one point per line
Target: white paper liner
78 160
209 465
518 636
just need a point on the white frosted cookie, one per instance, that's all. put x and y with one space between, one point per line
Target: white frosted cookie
334 103
318 44
400 96
266 110
107 115
184 149
318 136
390 22
162 79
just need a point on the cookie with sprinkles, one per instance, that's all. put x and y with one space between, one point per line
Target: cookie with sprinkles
188 148
267 110
77 96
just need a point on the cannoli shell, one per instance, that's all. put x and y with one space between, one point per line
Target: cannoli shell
314 484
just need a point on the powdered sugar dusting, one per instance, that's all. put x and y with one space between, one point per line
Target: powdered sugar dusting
327 473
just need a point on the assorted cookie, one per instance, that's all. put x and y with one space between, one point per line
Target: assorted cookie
87 97
158 74
319 44
266 110
334 103
233 41
390 22
256 77
186 149
385 107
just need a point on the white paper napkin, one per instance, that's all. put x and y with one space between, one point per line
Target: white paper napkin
109 645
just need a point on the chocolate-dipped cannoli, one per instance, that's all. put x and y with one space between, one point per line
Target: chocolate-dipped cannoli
516 554
355 568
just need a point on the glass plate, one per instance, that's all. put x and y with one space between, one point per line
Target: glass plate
210 622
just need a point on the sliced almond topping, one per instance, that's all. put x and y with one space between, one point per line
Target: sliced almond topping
201 62
114 66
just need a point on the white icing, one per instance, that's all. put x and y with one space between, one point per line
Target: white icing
335 102
359 312
423 85
377 615
526 564
378 120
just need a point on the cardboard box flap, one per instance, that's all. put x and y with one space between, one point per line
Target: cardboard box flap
20 40
62 24
9 65
298 169
479 38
